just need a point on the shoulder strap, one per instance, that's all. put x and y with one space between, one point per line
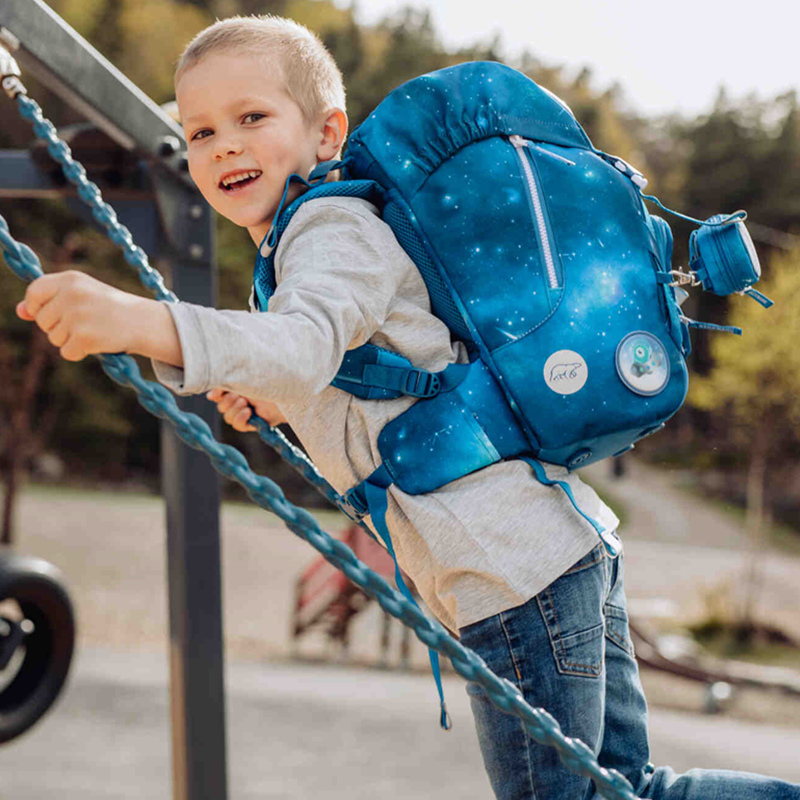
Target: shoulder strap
264 271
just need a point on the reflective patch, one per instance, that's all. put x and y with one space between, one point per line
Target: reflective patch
565 372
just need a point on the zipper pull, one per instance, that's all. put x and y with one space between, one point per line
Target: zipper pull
545 152
519 142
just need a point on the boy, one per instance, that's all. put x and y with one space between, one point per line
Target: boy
261 99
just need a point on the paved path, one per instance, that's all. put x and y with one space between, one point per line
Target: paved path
298 731
691 554
111 548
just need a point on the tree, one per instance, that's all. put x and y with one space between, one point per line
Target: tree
779 205
755 384
47 404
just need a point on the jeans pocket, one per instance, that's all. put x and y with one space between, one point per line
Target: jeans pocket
580 653
571 609
617 630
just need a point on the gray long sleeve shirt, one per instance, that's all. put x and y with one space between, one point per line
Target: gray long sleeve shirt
479 545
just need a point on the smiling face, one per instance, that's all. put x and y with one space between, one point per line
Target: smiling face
245 135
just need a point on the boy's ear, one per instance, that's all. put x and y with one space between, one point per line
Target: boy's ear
333 132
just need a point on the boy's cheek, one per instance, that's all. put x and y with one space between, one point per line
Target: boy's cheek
196 174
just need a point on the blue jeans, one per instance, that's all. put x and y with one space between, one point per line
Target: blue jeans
569 651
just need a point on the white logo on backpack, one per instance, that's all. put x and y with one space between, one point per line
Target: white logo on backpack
565 372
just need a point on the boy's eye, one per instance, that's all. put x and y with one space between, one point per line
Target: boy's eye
254 117
199 134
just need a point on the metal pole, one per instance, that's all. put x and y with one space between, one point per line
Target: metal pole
49 49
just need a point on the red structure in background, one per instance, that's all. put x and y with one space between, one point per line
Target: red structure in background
326 599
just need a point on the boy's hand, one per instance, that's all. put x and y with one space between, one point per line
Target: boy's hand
82 316
236 410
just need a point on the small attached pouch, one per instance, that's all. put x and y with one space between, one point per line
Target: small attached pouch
724 259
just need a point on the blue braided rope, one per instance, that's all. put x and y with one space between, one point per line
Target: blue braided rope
228 461
89 192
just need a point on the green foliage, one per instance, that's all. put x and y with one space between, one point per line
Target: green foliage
95 421
756 379
739 154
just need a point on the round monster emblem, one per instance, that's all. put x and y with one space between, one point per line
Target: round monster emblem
642 363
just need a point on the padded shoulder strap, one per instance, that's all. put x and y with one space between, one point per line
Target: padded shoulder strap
369 371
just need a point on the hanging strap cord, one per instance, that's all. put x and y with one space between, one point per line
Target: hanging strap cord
710 326
228 461
727 219
761 299
372 496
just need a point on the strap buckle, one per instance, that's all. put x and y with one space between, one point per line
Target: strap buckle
684 278
421 383
354 504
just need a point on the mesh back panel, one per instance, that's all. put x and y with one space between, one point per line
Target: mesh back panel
263 278
442 302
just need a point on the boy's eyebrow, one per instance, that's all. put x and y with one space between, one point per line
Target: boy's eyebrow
232 106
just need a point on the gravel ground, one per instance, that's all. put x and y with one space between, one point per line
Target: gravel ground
111 548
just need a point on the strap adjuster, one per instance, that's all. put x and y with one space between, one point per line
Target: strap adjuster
421 383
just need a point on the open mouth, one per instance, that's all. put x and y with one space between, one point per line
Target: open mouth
239 181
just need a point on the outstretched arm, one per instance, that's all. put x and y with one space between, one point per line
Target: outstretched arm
82 316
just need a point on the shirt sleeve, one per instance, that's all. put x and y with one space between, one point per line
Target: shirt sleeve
337 274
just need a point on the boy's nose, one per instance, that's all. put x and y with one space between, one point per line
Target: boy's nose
229 147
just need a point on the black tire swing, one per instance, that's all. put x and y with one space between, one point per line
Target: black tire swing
37 638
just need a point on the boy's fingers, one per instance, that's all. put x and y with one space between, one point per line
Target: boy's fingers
57 334
215 394
236 409
72 350
49 316
40 292
240 420
227 405
224 403
23 313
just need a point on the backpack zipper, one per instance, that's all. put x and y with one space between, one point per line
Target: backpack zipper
538 210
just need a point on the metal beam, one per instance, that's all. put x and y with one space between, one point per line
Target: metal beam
21 175
50 50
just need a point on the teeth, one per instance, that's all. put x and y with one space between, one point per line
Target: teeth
253 173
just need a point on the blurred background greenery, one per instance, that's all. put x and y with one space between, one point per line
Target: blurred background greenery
740 429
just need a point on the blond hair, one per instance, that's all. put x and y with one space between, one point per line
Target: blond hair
308 71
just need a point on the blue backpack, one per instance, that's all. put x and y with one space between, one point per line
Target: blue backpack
539 254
